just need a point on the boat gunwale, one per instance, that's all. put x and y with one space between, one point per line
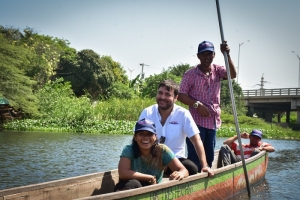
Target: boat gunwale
59 182
152 188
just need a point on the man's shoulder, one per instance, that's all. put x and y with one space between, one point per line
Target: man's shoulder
191 70
180 109
216 66
184 115
151 108
233 145
149 112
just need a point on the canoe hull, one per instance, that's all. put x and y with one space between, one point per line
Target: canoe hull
227 182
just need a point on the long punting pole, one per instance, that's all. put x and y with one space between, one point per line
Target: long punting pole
232 100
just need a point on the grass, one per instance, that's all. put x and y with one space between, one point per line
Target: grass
118 117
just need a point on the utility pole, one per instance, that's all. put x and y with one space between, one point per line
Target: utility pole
262 82
299 68
142 74
238 68
130 72
262 85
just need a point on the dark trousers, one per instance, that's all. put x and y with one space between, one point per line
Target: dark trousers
226 156
130 184
208 137
188 164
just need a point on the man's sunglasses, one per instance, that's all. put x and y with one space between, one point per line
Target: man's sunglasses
162 139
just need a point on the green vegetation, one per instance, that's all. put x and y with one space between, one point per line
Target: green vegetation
61 90
62 111
108 118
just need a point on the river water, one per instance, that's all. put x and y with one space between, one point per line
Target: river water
33 157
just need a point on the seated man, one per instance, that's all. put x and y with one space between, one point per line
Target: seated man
173 124
230 151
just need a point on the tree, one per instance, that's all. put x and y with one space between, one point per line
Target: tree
69 69
225 98
149 86
120 91
58 102
87 72
11 34
15 85
179 70
117 69
47 51
96 76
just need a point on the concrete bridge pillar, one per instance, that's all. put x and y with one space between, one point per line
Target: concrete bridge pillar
279 118
288 114
250 111
269 115
298 115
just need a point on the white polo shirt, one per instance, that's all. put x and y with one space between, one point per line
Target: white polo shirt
178 126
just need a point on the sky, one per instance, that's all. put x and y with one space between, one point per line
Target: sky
166 33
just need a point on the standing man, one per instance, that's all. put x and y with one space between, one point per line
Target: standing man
173 124
200 90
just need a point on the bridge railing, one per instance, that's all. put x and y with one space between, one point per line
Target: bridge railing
272 92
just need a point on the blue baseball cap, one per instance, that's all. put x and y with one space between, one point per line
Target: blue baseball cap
145 124
206 46
256 133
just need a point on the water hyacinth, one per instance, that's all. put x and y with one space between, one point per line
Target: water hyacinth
118 116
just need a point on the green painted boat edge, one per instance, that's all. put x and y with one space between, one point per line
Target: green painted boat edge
189 185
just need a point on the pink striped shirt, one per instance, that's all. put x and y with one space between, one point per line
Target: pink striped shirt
206 89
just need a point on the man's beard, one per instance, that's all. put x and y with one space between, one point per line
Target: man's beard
166 107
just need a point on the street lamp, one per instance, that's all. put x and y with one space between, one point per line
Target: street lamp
299 68
237 77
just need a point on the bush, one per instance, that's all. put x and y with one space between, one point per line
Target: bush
57 101
121 109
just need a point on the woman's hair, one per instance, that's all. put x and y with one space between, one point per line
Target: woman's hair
136 149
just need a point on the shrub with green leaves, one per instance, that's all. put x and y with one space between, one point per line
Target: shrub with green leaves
63 112
121 109
57 101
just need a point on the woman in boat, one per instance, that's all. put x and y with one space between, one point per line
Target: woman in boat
142 163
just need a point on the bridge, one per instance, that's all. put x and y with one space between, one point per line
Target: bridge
267 102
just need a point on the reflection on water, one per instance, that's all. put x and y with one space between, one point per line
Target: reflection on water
32 157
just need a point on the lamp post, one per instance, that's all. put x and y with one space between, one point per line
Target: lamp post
299 68
237 77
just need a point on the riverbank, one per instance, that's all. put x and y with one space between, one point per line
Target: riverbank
125 127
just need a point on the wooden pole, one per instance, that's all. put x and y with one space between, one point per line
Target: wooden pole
233 101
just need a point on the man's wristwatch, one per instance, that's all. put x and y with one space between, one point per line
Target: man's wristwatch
195 105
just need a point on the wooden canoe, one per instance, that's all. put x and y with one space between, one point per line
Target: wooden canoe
227 182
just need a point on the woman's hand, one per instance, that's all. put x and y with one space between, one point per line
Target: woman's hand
152 180
176 175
